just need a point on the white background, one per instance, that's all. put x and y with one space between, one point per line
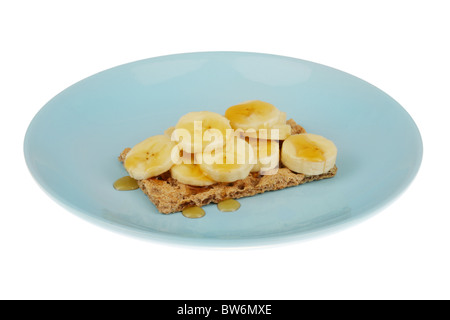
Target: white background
402 47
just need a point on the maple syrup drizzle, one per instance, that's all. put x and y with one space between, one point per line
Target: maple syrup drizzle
193 212
308 149
125 183
228 205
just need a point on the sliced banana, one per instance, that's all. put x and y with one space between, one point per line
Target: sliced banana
279 131
168 132
233 163
150 157
196 130
259 119
267 153
190 174
308 153
254 114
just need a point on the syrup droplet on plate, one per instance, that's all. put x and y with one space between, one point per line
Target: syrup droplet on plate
228 205
126 183
193 212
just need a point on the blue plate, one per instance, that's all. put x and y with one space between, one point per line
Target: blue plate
72 144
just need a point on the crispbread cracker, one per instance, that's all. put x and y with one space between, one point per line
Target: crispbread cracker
169 195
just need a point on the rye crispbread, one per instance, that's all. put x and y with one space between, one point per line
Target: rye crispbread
169 195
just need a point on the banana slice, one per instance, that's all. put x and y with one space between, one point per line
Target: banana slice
308 153
258 119
168 132
254 114
196 130
279 131
267 153
190 174
233 162
150 157
186 171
